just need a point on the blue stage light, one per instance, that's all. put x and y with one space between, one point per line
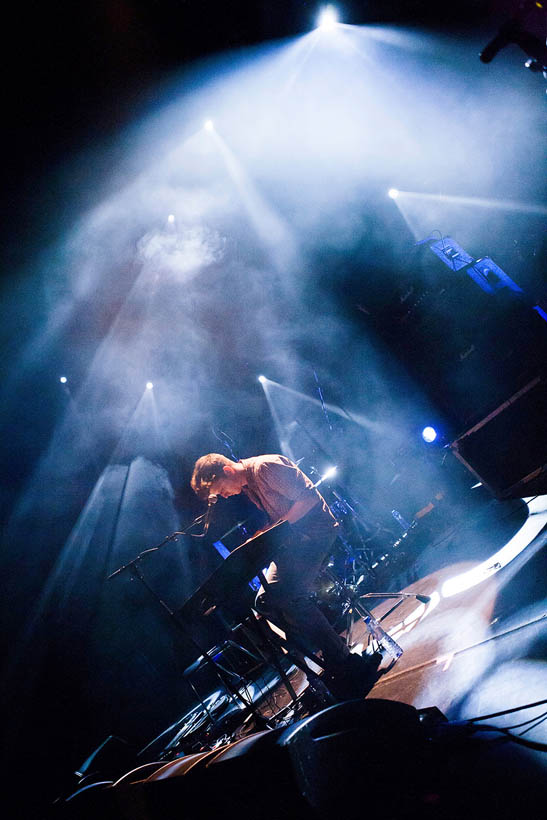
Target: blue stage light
429 434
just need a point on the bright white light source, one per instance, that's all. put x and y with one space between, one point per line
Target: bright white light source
393 193
429 434
328 18
149 385
63 379
533 525
209 125
326 475
262 379
171 218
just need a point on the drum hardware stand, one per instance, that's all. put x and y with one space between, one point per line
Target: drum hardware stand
344 509
353 603
376 631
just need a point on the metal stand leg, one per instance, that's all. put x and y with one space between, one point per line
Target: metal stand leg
275 660
299 656
354 603
384 640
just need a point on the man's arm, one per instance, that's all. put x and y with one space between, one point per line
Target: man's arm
297 511
265 528
300 508
289 481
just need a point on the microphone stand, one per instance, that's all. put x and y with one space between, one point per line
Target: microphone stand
131 565
227 441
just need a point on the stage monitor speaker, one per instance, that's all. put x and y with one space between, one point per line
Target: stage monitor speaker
507 450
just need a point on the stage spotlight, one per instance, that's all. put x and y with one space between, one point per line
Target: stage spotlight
149 385
209 125
429 434
262 379
328 18
393 193
63 379
328 474
171 218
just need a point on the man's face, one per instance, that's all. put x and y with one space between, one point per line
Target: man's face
226 484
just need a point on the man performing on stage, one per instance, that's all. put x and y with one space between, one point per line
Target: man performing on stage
275 485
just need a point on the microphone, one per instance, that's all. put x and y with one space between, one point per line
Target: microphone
211 500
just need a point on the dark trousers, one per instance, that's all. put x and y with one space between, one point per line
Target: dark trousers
290 583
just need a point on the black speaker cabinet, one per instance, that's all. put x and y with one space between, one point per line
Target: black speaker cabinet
469 350
507 450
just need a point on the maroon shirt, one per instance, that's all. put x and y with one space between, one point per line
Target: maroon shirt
274 483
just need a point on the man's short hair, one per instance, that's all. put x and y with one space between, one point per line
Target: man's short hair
206 469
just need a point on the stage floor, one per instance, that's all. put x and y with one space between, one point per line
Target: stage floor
475 649
479 646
